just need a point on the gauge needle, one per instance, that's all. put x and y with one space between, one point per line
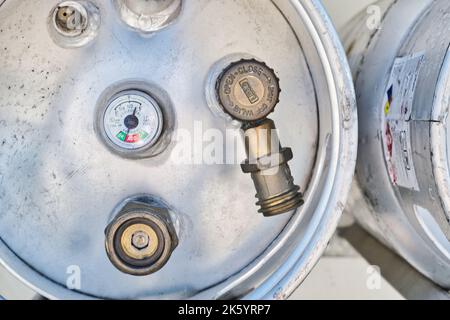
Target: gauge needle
134 114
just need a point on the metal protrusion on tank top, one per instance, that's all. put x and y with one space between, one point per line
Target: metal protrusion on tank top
268 165
70 20
141 238
148 16
73 24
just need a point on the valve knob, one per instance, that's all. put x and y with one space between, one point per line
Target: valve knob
248 90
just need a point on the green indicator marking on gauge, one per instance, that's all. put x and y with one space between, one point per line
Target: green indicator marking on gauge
143 135
121 136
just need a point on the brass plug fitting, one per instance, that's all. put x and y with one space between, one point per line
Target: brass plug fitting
141 238
268 165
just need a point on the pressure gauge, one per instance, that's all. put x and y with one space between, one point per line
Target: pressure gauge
131 122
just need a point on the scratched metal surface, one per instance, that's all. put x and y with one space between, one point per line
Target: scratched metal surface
413 222
59 184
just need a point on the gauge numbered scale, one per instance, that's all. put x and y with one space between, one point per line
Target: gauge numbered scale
132 121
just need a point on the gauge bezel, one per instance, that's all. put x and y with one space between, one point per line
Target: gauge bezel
157 97
115 102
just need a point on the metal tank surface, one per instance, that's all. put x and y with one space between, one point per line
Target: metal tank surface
402 77
124 172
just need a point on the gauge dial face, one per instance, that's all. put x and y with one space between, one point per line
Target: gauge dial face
133 120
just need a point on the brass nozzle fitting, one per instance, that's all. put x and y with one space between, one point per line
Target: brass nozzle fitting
248 90
268 165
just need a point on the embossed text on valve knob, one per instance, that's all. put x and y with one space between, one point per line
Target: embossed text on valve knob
248 90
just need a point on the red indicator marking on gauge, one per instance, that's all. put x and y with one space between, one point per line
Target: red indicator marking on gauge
133 138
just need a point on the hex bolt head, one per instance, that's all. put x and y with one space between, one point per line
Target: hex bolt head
140 240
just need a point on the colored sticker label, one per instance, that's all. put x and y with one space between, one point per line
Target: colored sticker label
387 107
397 109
